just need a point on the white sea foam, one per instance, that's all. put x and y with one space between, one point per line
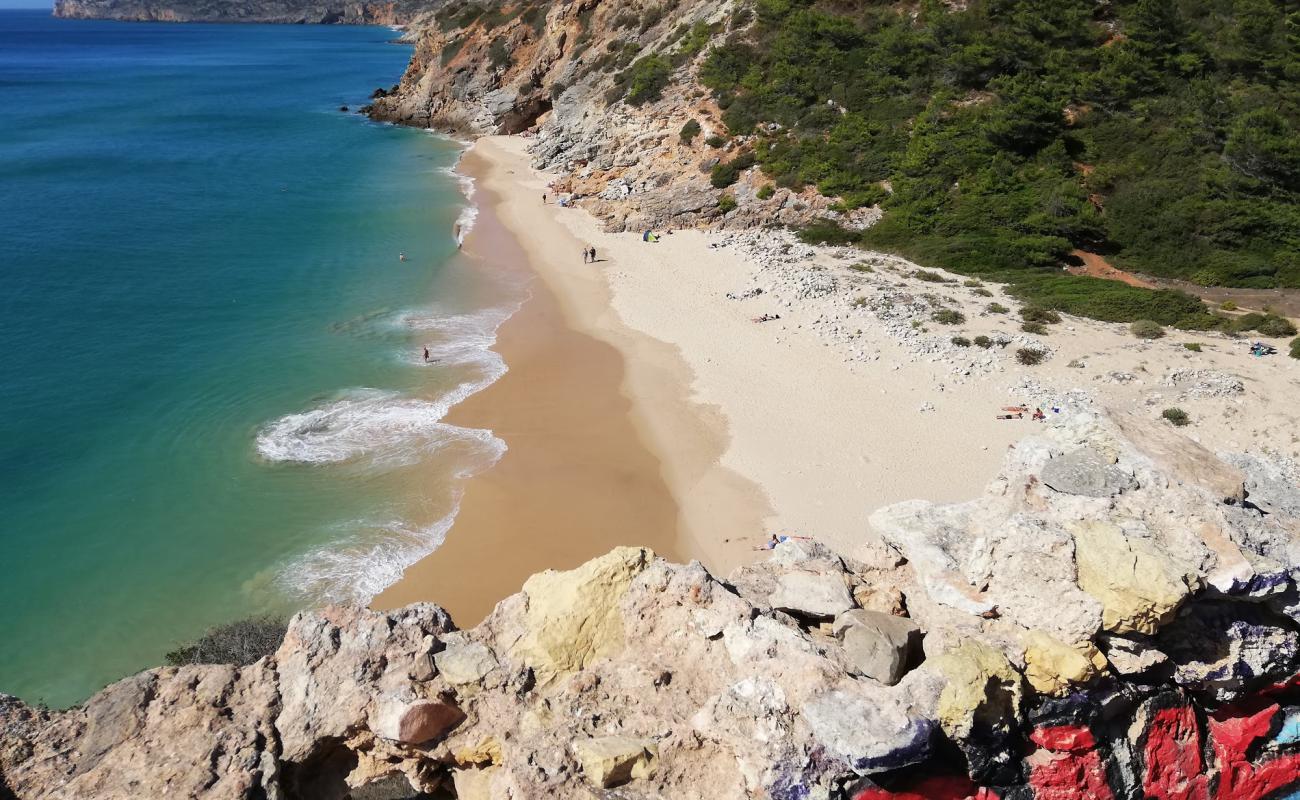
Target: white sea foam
367 558
380 428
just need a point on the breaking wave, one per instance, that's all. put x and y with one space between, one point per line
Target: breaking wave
365 559
378 427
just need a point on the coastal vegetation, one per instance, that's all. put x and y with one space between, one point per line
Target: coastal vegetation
1176 417
240 643
1147 329
1003 136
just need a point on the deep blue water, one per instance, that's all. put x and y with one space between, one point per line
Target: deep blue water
210 402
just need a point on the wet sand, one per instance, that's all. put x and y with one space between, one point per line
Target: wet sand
580 476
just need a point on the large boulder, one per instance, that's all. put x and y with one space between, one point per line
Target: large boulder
1129 574
572 618
878 645
1086 471
812 594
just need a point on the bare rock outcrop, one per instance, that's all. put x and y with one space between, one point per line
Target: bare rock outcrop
1128 631
557 73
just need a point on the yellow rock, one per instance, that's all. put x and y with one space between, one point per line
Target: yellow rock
476 784
487 751
1128 575
982 686
1053 667
573 617
611 760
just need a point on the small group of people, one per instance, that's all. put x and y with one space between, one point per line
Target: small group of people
1262 349
589 255
1019 412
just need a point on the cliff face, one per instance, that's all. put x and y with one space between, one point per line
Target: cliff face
575 76
378 12
1116 617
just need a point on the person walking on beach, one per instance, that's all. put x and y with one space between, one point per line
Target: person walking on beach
543 198
593 255
586 255
426 355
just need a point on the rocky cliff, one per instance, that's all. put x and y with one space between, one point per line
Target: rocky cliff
361 12
1116 617
608 88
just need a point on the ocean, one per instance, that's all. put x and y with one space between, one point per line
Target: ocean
215 401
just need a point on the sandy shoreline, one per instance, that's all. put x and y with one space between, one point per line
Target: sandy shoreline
854 399
578 477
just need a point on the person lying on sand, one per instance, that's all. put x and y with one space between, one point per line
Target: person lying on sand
766 318
1039 416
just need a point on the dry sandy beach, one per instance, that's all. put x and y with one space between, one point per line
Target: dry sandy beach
803 425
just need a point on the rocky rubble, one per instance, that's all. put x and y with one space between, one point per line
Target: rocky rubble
1115 617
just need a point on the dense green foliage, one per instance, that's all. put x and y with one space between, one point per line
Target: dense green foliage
643 82
1295 347
1164 133
689 131
1176 416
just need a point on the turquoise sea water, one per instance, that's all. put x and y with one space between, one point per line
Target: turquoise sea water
213 398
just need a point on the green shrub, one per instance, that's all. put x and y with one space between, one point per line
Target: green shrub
766 191
862 266
689 131
971 283
997 308
827 231
983 341
929 277
715 141
1176 416
1039 314
726 203
1276 327
1030 356
723 175
1295 347
1036 328
1228 305
1269 325
948 316
961 341
1146 329
1195 347
646 80
240 643
982 292
498 53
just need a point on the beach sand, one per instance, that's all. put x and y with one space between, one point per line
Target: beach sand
578 477
807 424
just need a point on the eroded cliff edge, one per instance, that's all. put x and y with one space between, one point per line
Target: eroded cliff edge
610 90
1115 617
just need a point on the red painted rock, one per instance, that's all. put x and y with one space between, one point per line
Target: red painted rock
1064 738
942 787
1172 756
1068 767
1233 729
